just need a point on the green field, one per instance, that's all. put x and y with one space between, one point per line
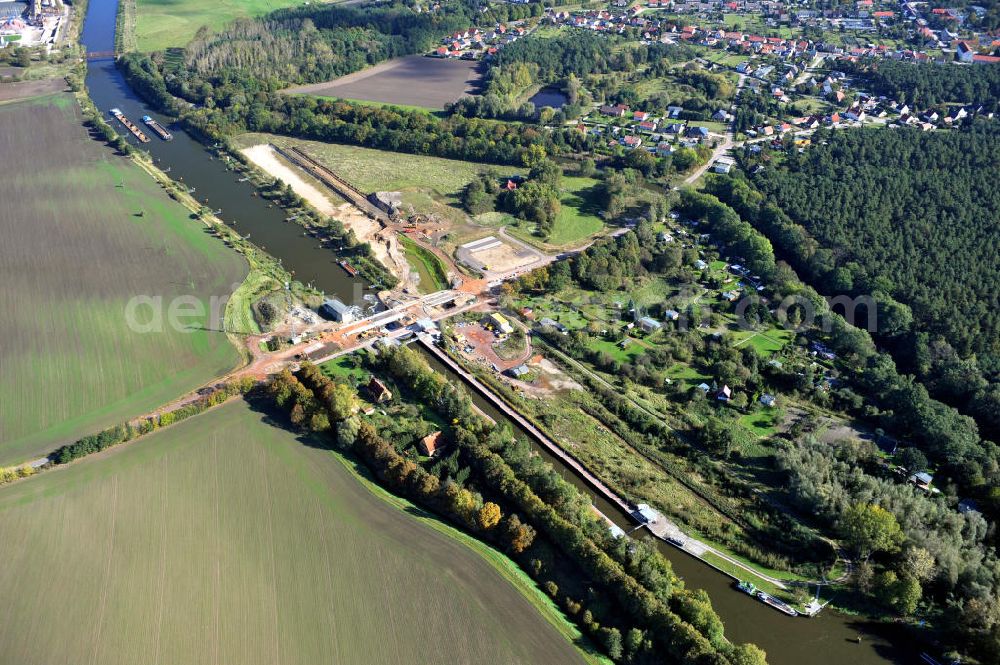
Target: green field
165 23
377 170
226 540
578 218
84 232
767 342
432 272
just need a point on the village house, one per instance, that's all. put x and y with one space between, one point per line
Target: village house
649 325
616 111
631 141
377 392
432 444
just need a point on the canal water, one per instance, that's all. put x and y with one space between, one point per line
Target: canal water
215 185
827 639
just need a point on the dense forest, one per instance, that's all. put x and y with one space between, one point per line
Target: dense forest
906 212
930 556
925 85
902 216
929 559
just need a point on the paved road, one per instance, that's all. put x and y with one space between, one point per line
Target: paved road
727 141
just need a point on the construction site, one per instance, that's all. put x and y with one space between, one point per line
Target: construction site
35 23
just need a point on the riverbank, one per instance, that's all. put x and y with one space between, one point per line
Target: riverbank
384 244
829 638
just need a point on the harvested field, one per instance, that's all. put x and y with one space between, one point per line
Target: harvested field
10 91
83 232
414 80
226 540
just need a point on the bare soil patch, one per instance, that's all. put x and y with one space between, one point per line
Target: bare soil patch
24 89
415 80
504 258
383 242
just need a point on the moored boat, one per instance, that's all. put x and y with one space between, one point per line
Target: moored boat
158 128
779 605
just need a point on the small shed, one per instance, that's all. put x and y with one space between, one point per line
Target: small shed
922 480
519 371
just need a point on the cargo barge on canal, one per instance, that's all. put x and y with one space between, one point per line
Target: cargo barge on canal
348 268
159 129
131 126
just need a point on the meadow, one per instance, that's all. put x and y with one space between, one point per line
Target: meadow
377 170
225 539
578 218
84 232
167 23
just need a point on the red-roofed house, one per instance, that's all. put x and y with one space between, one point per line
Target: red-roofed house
986 59
431 445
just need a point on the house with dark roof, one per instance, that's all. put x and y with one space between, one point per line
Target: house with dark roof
377 392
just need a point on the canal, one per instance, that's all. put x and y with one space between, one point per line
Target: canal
215 185
827 639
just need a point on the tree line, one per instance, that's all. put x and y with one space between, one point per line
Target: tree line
112 436
923 85
218 116
517 501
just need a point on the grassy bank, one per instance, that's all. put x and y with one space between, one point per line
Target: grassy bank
378 170
432 273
